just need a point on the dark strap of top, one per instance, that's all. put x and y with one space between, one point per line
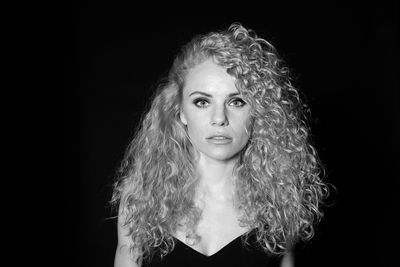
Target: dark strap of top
234 254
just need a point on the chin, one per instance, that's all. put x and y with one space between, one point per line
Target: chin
222 156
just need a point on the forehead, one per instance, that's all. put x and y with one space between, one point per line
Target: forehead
209 77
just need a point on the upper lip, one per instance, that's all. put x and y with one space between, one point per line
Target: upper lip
220 136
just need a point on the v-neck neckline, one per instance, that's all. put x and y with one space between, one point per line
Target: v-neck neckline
215 253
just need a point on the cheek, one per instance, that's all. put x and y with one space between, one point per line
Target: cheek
195 127
193 117
244 136
243 126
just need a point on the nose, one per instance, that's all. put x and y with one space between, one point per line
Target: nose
219 116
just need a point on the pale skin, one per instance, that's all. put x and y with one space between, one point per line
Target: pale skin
217 120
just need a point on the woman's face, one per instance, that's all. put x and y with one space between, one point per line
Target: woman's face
216 115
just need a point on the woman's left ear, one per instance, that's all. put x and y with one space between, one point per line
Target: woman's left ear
182 117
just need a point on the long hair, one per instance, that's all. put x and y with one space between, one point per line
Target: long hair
278 172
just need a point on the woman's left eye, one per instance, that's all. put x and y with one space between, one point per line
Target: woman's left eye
237 102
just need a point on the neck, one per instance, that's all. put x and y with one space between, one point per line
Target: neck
216 177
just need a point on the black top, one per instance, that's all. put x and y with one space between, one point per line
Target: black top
234 254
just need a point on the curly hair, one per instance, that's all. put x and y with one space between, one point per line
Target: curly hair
278 172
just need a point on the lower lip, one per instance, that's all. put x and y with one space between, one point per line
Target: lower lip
219 141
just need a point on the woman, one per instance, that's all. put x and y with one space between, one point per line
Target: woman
221 170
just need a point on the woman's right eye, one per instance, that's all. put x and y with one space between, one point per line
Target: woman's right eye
200 102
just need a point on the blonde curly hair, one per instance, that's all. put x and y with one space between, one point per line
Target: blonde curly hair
278 172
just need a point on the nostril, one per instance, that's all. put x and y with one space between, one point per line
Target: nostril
219 117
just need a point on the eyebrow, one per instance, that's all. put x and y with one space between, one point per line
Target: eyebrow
208 95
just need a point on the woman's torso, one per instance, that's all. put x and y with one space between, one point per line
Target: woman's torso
234 254
220 242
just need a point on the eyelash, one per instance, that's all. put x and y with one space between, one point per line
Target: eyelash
196 102
241 101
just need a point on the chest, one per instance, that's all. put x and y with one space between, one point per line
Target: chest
218 226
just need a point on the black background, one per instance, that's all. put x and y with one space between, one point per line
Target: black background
101 62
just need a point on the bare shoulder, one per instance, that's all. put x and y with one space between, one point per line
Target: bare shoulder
123 255
288 260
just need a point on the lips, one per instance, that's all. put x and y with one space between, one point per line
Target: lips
219 139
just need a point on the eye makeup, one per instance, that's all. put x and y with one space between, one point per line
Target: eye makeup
201 102
204 102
